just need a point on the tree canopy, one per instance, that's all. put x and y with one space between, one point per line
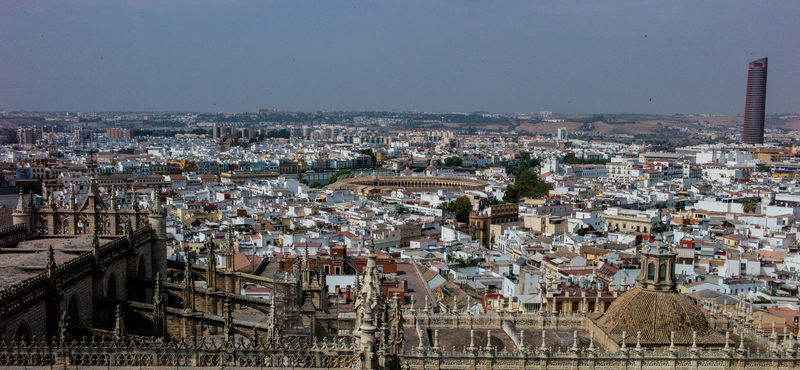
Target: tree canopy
576 160
461 207
527 185
336 176
370 153
453 161
515 167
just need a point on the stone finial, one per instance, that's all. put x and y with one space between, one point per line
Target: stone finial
638 340
436 340
72 196
591 342
741 344
21 203
624 336
128 232
157 292
64 328
254 338
228 320
51 264
521 341
672 340
488 341
543 348
471 341
96 246
426 305
574 341
119 326
727 339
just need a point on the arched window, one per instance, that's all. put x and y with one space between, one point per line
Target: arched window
662 273
73 312
111 295
23 333
141 271
651 272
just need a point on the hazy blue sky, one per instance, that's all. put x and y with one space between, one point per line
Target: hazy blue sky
501 56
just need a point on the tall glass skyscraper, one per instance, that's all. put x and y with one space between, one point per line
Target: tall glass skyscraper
753 132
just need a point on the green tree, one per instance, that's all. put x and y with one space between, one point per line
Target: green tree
453 161
527 185
764 169
461 261
315 185
576 160
283 133
336 176
461 207
370 153
28 186
750 204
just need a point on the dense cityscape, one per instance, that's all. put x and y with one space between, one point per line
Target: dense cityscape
372 231
399 185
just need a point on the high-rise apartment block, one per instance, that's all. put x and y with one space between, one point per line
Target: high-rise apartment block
753 132
562 134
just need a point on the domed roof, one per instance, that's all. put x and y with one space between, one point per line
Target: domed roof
655 314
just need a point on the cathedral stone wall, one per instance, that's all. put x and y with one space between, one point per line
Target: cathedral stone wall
81 292
34 317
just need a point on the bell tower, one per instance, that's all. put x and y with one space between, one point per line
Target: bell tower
658 266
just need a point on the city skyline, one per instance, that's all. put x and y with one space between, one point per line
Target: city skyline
440 57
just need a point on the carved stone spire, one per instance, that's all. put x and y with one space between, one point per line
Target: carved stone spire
471 341
575 347
304 261
188 287
230 250
129 228
272 334
64 330
51 264
134 199
31 204
112 194
254 338
211 269
367 330
72 203
21 204
159 310
119 326
96 247
51 200
157 209
227 311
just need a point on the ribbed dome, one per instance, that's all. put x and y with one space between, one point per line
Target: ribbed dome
655 314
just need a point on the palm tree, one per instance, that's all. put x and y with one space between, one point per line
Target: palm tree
750 204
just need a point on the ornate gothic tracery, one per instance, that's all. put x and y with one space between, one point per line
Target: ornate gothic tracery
54 218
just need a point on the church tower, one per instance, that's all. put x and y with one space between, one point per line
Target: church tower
22 214
158 221
658 266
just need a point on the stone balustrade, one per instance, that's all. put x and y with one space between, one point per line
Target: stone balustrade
494 320
147 352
